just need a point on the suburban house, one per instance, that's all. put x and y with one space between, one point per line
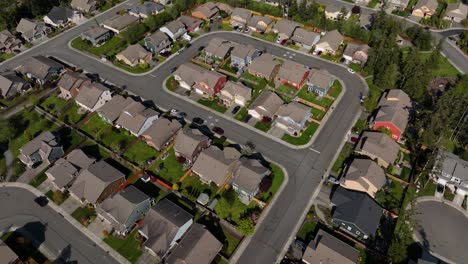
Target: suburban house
333 12
264 66
198 246
85 6
157 42
71 83
43 148
319 82
292 118
10 43
96 35
218 48
119 23
164 2
425 8
189 143
365 21
31 30
163 226
260 24
123 209
451 171
246 179
392 113
330 43
136 118
205 82
41 69
99 181
356 213
356 53
11 85
363 175
207 11
398 4
92 97
325 248
242 55
216 165
292 73
7 255
265 105
161 133
224 7
191 24
66 169
240 17
307 39
175 30
112 109
235 93
146 9
456 12
378 147
134 55
62 16
285 28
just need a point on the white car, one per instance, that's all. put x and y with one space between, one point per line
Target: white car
351 71
278 40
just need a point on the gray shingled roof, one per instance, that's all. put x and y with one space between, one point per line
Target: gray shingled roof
327 249
333 38
267 103
39 66
174 26
218 47
147 8
214 164
58 14
10 83
304 36
190 22
120 22
286 27
208 9
294 110
242 51
161 131
90 94
248 174
198 246
95 32
379 145
134 117
255 19
242 13
431 4
394 107
112 109
363 171
320 78
292 71
357 208
237 88
66 169
187 141
264 64
135 53
72 80
450 165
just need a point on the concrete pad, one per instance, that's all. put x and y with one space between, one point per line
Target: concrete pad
70 205
458 200
147 257
98 226
45 186
276 132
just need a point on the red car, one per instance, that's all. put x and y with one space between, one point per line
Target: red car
218 131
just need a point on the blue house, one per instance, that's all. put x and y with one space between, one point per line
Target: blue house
242 55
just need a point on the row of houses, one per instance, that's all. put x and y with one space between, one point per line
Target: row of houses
454 11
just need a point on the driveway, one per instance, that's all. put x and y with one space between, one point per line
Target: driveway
443 230
98 226
70 204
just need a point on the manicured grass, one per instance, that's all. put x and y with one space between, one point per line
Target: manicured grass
278 177
192 187
170 170
84 215
256 83
39 179
95 150
129 246
139 153
117 139
53 104
6 56
110 48
95 126
314 98
171 83
360 125
241 114
307 231
391 198
176 46
263 126
372 3
287 89
56 196
370 102
79 44
429 189
214 104
232 211
70 114
231 244
344 154
443 69
448 194
317 114
304 137
137 69
336 89
226 27
405 174
271 37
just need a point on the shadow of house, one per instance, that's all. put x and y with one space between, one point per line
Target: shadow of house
65 256
26 240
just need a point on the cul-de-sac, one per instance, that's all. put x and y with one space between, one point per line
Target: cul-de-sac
233 131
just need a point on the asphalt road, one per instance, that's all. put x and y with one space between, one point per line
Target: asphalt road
305 167
443 230
55 233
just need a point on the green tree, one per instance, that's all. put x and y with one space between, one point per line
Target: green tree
246 226
134 33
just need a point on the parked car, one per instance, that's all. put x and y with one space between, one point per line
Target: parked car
198 121
440 188
351 71
235 110
278 40
218 130
247 118
173 69
333 180
354 139
42 200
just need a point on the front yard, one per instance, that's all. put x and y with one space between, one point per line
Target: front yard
270 37
314 98
56 196
230 208
39 179
305 136
214 104
263 126
129 246
277 176
230 242
344 154
317 114
85 215
336 89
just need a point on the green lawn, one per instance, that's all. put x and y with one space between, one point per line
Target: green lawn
448 194
304 137
137 69
405 174
344 154
214 104
192 187
360 125
371 100
336 89
84 215
117 139
278 176
271 37
95 150
429 189
307 231
39 179
56 196
53 104
256 83
314 98
317 114
171 83
232 211
229 241
263 126
170 170
226 27
443 69
95 126
69 138
71 115
241 114
79 44
110 48
287 89
6 56
139 153
391 200
372 3
129 246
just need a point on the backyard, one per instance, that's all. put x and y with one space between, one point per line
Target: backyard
140 153
305 136
391 197
169 169
95 127
317 114
192 187
230 242
314 98
66 111
230 208
256 83
117 139
129 246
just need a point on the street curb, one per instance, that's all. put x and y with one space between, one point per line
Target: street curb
72 221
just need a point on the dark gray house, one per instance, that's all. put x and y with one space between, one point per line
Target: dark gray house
157 42
96 35
43 148
356 213
11 85
41 69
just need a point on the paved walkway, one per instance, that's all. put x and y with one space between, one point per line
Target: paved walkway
29 174
9 164
70 205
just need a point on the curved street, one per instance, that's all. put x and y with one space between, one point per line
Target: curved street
50 229
442 229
